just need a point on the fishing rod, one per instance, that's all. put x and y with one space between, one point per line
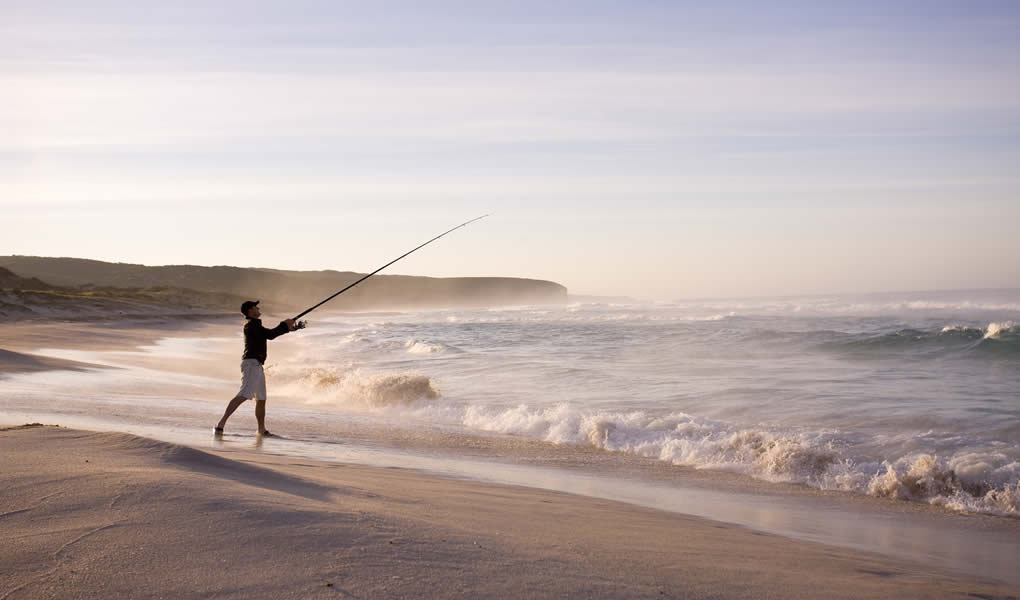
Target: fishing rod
301 324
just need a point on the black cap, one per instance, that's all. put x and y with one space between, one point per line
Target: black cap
248 305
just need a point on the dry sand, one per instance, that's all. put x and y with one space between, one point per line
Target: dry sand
108 515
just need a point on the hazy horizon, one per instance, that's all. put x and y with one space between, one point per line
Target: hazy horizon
637 297
650 149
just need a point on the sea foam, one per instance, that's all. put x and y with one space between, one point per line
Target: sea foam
976 481
421 347
352 387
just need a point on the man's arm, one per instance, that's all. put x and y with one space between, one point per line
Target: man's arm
285 326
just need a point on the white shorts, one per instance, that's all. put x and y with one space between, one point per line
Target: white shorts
253 380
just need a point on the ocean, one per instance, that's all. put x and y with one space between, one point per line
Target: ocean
914 397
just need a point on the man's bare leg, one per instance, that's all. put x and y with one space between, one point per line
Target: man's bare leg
231 407
260 414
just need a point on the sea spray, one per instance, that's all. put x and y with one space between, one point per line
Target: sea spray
352 387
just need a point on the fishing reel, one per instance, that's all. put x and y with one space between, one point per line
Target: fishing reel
301 325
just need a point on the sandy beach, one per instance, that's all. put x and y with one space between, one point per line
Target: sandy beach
113 515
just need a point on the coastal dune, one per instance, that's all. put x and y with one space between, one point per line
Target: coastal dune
105 515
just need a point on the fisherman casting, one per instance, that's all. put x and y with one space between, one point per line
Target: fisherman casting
253 377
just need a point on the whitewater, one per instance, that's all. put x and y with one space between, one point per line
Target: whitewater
915 397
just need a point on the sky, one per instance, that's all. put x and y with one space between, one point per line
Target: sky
646 148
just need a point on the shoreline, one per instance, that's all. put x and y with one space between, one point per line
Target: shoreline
974 545
107 333
94 513
23 345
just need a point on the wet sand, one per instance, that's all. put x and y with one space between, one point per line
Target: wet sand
24 347
114 334
18 362
114 515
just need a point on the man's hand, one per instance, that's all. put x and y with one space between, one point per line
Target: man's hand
291 325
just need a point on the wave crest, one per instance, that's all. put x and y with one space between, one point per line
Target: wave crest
987 482
323 385
997 339
996 331
421 347
925 478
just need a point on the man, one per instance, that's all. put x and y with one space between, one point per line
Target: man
253 378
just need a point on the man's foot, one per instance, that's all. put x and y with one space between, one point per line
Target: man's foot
267 433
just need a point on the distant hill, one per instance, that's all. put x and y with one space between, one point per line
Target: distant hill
31 298
98 304
291 289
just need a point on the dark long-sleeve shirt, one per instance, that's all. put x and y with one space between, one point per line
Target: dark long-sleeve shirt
255 337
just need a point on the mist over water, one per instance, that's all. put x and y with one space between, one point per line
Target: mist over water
906 396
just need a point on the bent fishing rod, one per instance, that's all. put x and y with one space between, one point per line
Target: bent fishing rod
301 325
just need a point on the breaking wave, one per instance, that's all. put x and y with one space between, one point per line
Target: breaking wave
352 387
421 347
985 481
1000 338
1000 331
